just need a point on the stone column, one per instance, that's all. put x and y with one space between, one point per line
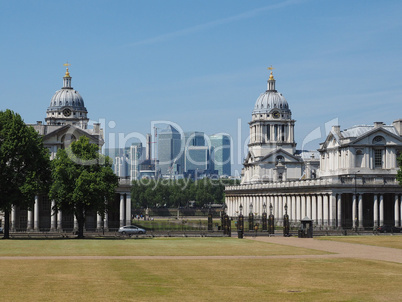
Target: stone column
375 211
122 220
53 217
106 222
325 210
98 221
381 209
360 207
30 218
319 210
276 207
75 228
396 210
13 226
60 221
36 214
303 206
308 206
332 210
354 216
294 211
339 216
400 209
314 209
280 205
128 209
299 208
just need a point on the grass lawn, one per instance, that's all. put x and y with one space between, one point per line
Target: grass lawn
147 247
394 241
334 279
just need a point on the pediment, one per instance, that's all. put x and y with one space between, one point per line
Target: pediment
272 157
332 141
57 134
369 138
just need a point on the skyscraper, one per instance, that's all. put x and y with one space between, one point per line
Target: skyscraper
220 154
170 151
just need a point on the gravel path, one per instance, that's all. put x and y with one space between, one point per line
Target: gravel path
340 249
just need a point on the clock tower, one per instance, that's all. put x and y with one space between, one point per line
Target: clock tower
272 148
67 106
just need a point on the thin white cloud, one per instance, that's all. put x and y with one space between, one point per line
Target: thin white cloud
205 26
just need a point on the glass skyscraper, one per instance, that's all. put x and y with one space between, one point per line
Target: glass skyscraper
220 153
170 151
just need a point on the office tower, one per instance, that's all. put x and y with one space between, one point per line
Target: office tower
170 151
220 154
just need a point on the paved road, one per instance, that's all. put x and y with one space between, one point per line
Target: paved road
339 249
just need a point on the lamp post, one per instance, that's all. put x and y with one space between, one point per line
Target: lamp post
286 222
240 223
271 221
250 218
264 217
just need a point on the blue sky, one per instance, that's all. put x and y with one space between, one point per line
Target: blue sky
202 64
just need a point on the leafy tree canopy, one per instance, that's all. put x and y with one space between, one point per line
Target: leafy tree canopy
83 180
24 164
178 193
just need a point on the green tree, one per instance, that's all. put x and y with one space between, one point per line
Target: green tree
24 165
399 175
83 180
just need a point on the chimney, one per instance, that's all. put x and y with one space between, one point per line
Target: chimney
378 124
398 126
96 128
336 129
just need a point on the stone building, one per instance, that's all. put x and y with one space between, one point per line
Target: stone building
66 121
352 186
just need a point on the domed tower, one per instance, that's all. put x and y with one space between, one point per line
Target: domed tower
271 125
272 146
67 106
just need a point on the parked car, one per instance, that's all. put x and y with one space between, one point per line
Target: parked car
388 229
130 230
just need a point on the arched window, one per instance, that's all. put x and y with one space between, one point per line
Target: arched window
378 140
279 158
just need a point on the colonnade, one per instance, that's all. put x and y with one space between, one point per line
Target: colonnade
56 217
325 209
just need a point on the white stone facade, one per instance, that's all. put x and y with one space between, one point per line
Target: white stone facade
352 186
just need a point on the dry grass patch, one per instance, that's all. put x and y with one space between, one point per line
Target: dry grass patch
393 241
200 280
148 247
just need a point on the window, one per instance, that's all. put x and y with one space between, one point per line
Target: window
378 140
359 158
377 158
279 158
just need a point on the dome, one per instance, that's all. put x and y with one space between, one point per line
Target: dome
270 100
67 97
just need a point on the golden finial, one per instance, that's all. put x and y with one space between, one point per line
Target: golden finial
271 76
67 75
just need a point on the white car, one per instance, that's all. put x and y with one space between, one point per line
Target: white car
130 230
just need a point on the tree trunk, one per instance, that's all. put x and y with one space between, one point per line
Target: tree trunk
81 222
6 224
